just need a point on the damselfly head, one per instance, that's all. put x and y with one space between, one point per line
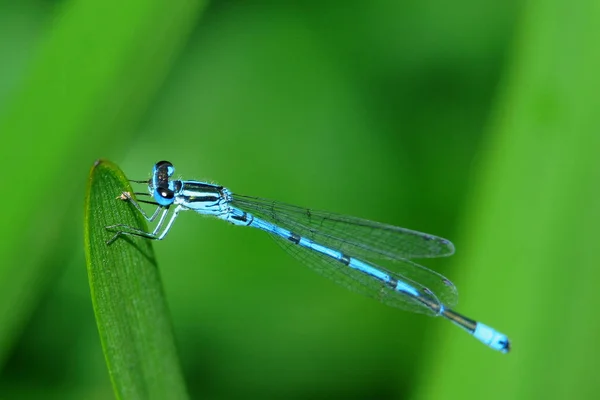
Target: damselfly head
161 173
163 169
160 186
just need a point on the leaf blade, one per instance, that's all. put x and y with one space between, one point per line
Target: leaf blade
129 304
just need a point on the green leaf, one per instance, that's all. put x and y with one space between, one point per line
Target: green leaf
129 304
84 81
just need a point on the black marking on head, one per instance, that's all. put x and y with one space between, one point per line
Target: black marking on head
163 171
164 165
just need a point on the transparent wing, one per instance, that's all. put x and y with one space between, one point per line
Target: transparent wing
358 282
359 237
365 240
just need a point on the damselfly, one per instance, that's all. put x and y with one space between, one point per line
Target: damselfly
339 247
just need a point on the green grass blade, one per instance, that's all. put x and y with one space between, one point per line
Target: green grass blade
86 83
131 311
533 241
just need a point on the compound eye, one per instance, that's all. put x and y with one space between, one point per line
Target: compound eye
165 166
164 196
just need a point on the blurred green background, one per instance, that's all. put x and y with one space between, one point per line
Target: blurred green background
476 121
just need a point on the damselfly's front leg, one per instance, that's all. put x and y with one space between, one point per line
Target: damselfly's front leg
126 196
